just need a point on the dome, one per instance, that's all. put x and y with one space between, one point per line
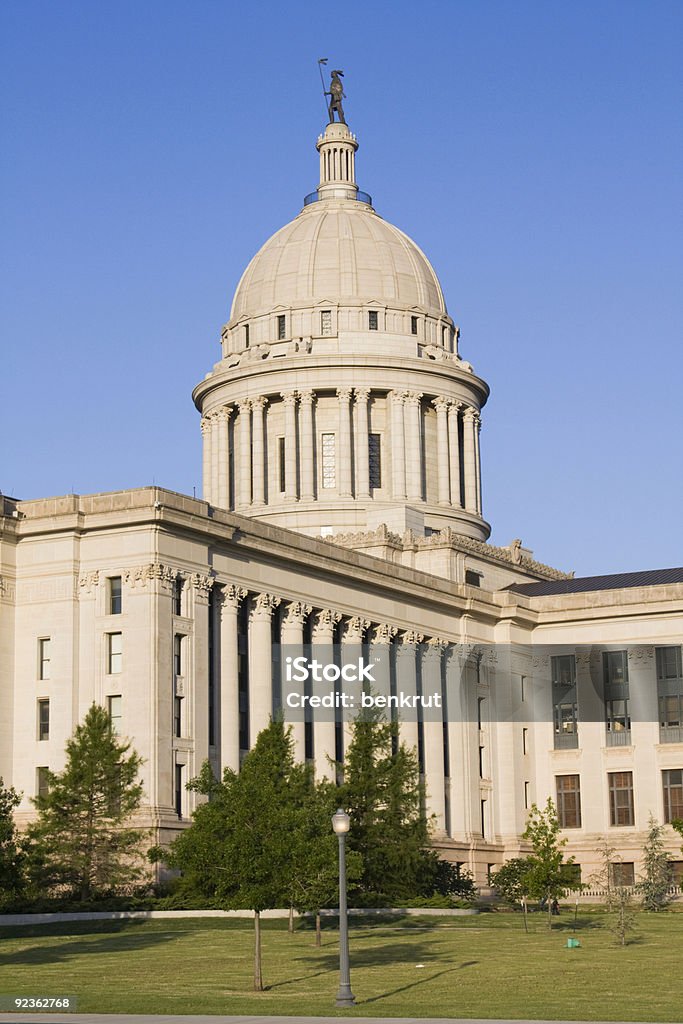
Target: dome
341 251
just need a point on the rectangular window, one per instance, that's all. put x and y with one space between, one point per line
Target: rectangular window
43 719
525 741
527 795
623 874
621 798
522 688
617 717
114 653
281 327
246 335
179 772
329 460
481 762
281 463
482 811
480 710
178 595
565 710
472 578
372 320
115 709
178 665
326 322
568 800
413 325
177 716
44 648
375 459
672 781
114 595
670 694
42 786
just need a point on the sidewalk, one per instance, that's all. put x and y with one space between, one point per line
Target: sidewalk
123 1018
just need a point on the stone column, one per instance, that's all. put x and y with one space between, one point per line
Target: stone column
243 482
362 443
258 455
323 719
344 447
290 398
292 645
477 457
454 453
260 664
413 439
228 677
307 399
398 454
432 730
380 656
223 418
353 634
407 651
206 459
470 459
441 406
215 457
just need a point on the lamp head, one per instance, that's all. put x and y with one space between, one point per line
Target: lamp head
341 822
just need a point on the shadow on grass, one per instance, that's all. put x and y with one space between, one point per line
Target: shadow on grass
379 956
415 984
118 939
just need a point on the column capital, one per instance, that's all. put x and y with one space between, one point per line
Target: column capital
259 403
202 585
231 595
205 424
296 613
436 644
383 634
413 397
399 397
470 413
344 394
325 620
244 406
410 638
441 404
264 606
454 407
307 397
361 394
289 397
355 629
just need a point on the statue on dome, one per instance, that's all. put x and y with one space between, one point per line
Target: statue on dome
336 94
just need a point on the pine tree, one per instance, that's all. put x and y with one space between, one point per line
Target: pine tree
657 877
12 860
81 840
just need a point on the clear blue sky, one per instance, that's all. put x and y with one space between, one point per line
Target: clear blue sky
532 149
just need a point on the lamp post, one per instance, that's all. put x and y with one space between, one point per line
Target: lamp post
341 823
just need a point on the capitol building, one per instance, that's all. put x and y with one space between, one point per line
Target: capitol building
342 514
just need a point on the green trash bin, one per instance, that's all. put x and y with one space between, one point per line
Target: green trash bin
573 944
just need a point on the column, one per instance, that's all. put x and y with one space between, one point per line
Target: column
215 457
362 443
407 651
206 458
441 406
353 634
398 455
477 460
344 448
223 418
258 454
322 644
306 399
413 445
260 664
243 482
289 398
432 730
470 459
292 646
454 452
228 677
380 657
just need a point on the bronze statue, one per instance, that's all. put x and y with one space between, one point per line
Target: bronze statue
336 95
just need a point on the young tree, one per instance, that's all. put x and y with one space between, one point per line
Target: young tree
80 839
239 848
657 877
624 918
12 859
603 878
546 878
513 883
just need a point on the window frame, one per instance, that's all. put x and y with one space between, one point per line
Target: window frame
373 320
114 666
43 719
44 663
567 793
281 327
672 794
116 720
114 598
616 808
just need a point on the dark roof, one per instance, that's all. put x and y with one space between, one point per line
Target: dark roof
614 581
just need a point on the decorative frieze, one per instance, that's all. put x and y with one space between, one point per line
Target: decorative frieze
296 613
231 595
88 581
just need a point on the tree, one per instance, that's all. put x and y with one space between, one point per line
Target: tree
513 883
624 917
677 825
547 877
382 793
80 839
12 859
657 877
603 878
239 850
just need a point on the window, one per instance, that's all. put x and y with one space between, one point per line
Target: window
522 688
623 874
44 646
114 707
670 694
472 578
246 335
178 595
617 717
525 741
326 322
482 811
372 320
527 795
621 798
480 710
43 719
179 771
114 595
375 460
565 713
568 800
114 653
42 785
481 762
178 659
413 325
177 716
672 781
281 327
329 461
281 462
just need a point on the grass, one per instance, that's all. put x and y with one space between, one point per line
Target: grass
481 966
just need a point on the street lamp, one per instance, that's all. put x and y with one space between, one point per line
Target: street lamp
341 823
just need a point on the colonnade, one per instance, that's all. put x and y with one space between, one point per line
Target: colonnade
236 476
415 659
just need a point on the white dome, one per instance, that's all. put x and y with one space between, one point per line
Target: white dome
340 251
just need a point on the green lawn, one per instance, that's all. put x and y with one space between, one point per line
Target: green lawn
482 966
